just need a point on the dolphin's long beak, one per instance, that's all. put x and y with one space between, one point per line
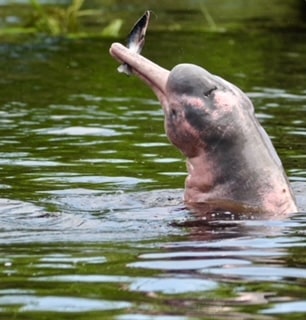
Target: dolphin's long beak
152 74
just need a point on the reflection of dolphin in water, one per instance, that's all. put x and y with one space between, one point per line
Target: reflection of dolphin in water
232 164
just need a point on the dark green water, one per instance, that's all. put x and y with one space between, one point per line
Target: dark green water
90 208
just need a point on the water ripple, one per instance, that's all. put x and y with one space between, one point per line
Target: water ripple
59 304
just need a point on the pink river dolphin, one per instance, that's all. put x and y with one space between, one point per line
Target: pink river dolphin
231 162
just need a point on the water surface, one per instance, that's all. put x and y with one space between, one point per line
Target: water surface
92 221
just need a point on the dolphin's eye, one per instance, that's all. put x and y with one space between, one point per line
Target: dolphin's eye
173 113
208 92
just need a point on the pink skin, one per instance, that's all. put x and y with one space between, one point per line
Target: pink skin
231 162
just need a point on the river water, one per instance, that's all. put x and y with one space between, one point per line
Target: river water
91 217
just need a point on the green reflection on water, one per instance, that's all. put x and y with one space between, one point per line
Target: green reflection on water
67 112
69 121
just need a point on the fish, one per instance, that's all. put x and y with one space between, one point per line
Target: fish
136 40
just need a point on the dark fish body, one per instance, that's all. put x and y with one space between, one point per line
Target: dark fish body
136 40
